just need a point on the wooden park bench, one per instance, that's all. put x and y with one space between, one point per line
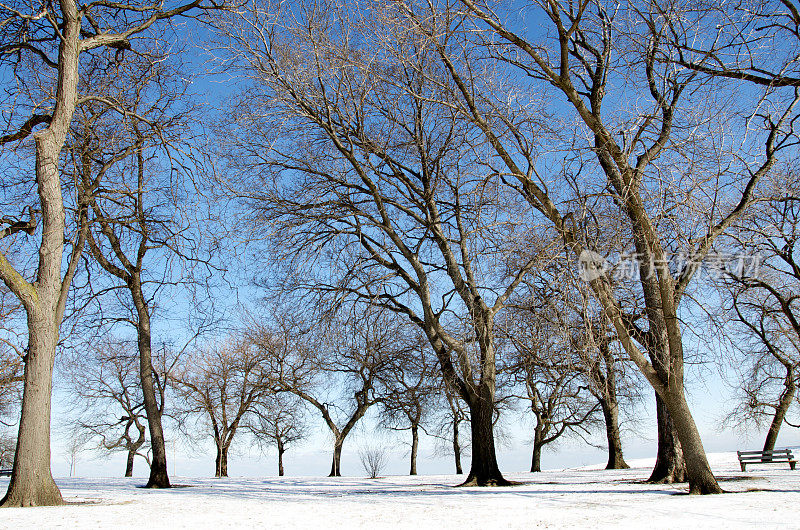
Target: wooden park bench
5 472
778 456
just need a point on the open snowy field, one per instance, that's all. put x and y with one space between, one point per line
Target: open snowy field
766 497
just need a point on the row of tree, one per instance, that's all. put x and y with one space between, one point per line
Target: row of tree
262 382
447 163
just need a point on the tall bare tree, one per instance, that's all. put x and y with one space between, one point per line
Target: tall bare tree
41 45
591 50
134 231
375 183
762 307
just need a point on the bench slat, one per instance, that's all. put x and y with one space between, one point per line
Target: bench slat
776 451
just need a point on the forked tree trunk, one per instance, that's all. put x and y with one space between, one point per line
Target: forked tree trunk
670 466
414 445
129 464
611 416
221 462
336 464
159 477
31 480
484 470
784 403
457 447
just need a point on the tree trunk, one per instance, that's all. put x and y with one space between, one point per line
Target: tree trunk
129 465
536 456
336 464
698 472
670 466
221 462
457 447
281 450
484 470
780 412
414 445
611 417
32 482
159 477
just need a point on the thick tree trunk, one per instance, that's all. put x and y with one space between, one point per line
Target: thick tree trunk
159 477
221 462
698 472
780 412
129 465
281 450
611 417
536 457
31 480
336 464
484 470
457 448
538 443
414 446
670 466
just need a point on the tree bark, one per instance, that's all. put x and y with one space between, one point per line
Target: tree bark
32 482
698 472
281 450
611 417
670 466
221 462
336 464
457 446
129 465
159 477
536 455
790 388
414 446
484 470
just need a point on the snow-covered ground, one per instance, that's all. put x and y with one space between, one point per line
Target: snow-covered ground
766 497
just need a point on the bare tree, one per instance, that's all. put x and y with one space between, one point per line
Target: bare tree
411 385
221 384
594 50
335 366
278 419
762 307
76 444
551 371
7 447
377 184
108 397
41 45
135 202
373 459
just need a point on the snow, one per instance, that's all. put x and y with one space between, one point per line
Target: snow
768 496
